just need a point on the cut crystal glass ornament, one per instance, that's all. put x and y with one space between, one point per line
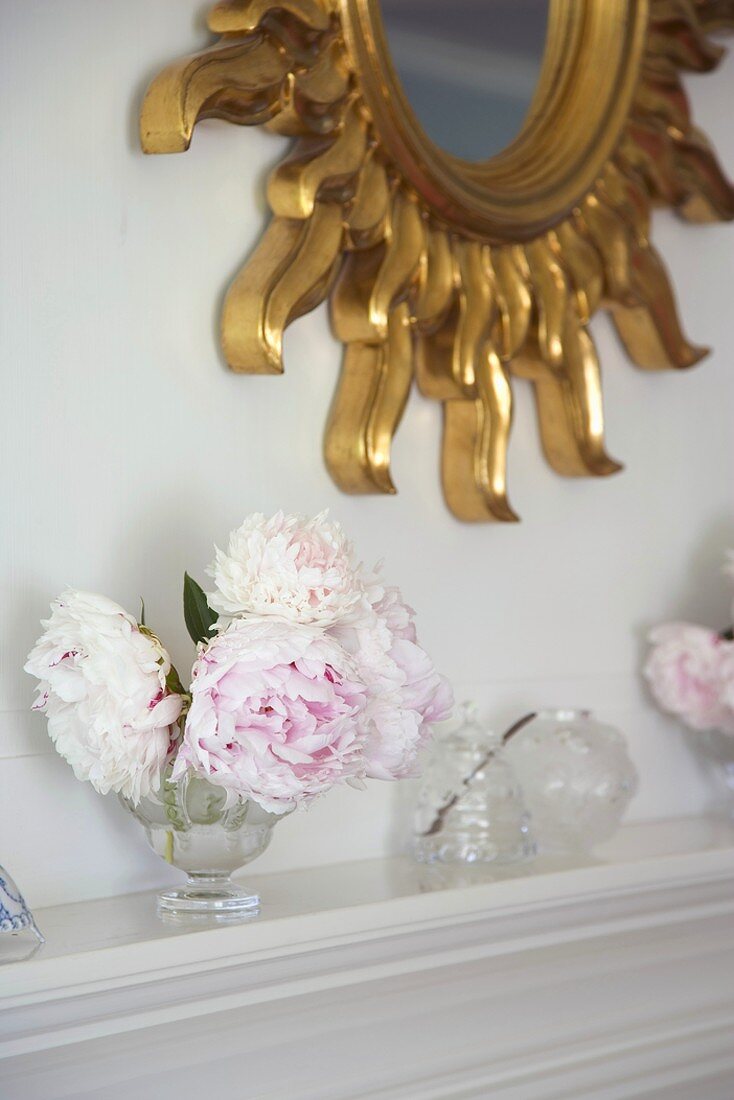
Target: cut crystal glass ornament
470 807
19 934
577 777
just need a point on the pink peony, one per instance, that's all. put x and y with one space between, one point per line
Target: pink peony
276 714
406 694
103 689
686 671
288 567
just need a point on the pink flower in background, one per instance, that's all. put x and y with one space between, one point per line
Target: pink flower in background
288 567
276 714
103 689
405 693
691 674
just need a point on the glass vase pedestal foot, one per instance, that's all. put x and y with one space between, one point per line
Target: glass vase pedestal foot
208 899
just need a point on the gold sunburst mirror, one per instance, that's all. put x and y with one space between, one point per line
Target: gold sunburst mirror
459 253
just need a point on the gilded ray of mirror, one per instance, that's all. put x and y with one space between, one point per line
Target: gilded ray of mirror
469 182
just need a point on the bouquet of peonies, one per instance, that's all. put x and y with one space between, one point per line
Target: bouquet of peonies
308 673
690 670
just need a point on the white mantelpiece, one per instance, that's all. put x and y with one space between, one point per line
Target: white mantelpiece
376 980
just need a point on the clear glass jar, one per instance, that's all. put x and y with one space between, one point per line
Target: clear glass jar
189 826
470 807
577 777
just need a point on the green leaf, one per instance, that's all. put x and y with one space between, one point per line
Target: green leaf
198 614
142 611
173 682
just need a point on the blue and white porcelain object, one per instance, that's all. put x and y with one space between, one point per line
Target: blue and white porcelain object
19 934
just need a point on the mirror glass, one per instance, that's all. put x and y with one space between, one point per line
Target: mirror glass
468 67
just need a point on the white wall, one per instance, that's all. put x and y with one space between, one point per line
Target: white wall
128 448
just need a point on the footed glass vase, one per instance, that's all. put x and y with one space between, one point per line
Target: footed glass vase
188 824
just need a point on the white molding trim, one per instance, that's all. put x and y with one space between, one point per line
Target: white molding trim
589 983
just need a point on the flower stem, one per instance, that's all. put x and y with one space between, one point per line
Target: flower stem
440 817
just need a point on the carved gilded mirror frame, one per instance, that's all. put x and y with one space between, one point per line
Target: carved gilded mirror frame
461 275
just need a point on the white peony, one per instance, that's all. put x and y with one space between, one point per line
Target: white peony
405 693
286 566
103 689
